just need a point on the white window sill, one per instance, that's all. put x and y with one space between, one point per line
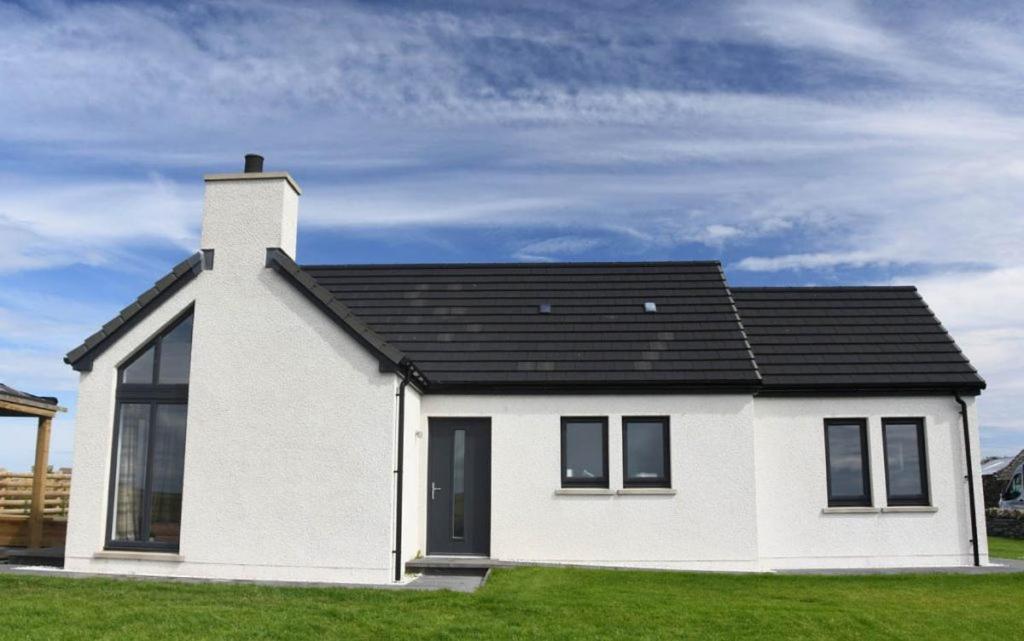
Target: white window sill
910 509
129 555
602 491
850 510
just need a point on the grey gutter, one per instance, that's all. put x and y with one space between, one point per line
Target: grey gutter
970 478
861 389
400 475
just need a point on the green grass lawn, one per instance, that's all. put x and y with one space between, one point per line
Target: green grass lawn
1005 548
526 603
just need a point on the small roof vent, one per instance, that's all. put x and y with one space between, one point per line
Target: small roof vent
650 306
544 308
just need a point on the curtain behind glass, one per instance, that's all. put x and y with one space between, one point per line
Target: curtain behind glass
132 444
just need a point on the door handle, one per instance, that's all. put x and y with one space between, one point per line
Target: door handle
433 490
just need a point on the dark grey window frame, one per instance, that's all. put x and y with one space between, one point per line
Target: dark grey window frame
666 439
849 501
151 395
924 498
579 482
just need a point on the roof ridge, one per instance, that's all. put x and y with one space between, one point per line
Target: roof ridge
743 328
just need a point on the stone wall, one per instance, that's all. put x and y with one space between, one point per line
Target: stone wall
1006 523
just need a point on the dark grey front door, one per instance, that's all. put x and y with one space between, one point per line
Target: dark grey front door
459 486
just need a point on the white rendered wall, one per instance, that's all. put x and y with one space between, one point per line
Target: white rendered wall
290 438
243 214
709 524
791 488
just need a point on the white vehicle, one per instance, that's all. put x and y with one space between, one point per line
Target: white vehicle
1012 497
1008 473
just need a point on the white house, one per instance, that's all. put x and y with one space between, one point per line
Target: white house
250 418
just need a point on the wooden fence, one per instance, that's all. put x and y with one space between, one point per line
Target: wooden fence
16 494
14 531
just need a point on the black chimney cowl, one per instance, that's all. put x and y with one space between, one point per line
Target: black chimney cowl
253 163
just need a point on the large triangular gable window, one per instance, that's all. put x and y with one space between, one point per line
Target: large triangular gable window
149 442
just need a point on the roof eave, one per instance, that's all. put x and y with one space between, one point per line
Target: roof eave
869 390
589 387
81 358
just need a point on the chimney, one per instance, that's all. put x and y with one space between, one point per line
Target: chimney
245 213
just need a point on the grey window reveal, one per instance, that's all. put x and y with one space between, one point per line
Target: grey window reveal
149 443
585 452
846 454
645 452
906 467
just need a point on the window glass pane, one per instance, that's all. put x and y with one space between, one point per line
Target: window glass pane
459 485
168 469
903 460
584 450
176 353
645 450
141 369
130 479
846 461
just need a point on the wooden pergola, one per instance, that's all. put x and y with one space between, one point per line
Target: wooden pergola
15 403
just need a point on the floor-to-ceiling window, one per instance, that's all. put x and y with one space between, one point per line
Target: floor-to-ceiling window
149 442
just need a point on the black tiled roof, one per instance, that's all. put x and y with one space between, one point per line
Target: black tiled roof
851 338
472 325
17 395
6 390
479 327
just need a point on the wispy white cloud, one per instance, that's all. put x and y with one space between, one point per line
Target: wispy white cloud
560 246
839 26
466 113
45 225
814 137
811 261
36 330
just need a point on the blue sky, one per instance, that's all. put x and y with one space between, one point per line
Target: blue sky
799 143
